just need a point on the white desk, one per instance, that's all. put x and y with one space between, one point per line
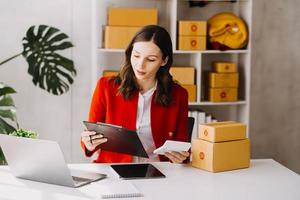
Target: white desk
265 179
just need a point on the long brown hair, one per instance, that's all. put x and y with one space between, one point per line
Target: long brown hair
126 78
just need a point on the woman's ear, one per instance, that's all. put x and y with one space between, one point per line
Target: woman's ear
165 61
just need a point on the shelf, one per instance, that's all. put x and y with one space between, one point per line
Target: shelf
211 51
208 103
170 12
111 50
183 52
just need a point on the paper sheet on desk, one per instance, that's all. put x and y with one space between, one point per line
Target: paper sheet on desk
112 189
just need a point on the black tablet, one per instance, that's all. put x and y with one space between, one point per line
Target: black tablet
137 171
119 139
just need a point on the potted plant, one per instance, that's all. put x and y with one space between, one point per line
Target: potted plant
49 70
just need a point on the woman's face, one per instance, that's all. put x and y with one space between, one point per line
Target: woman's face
146 59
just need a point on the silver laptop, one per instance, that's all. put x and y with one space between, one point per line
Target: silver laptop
43 161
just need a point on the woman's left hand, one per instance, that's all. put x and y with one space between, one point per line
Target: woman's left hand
176 156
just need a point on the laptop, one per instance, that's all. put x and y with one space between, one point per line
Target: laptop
43 161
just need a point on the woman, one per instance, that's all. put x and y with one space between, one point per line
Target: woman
143 97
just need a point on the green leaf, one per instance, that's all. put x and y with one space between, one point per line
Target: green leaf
24 133
5 128
2 158
49 70
6 101
10 114
6 89
58 37
62 46
7 109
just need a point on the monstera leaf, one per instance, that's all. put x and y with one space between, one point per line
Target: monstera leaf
7 112
7 109
49 70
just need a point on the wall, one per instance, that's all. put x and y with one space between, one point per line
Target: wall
275 88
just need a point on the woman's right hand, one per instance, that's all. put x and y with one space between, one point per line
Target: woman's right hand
91 139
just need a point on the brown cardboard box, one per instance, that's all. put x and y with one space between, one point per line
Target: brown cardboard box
221 156
192 28
184 75
191 91
222 131
110 73
224 67
118 37
191 42
132 16
222 94
218 80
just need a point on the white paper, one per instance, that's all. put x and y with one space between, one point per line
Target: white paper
170 145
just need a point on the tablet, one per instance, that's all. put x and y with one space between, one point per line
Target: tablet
120 140
137 171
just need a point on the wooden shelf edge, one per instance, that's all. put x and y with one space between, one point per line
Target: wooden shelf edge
208 103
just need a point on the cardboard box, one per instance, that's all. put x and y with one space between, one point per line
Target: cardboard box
222 94
192 28
221 156
191 89
192 42
184 75
224 67
132 16
118 37
222 131
110 73
218 80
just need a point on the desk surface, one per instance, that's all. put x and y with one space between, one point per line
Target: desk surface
265 179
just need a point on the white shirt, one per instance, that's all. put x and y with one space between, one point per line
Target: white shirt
143 125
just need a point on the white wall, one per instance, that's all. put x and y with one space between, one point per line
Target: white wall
37 110
275 84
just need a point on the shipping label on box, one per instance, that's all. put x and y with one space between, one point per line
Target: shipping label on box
224 67
222 94
222 131
220 156
184 75
191 42
132 16
192 28
191 89
118 37
218 80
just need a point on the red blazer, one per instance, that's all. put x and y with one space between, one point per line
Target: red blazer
110 107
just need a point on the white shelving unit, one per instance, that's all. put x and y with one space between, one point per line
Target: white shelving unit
169 12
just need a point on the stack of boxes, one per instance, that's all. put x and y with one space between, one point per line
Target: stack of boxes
223 82
185 76
221 146
123 23
192 35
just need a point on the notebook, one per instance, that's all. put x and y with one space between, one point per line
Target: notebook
114 189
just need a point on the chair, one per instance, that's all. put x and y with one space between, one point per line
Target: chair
191 121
